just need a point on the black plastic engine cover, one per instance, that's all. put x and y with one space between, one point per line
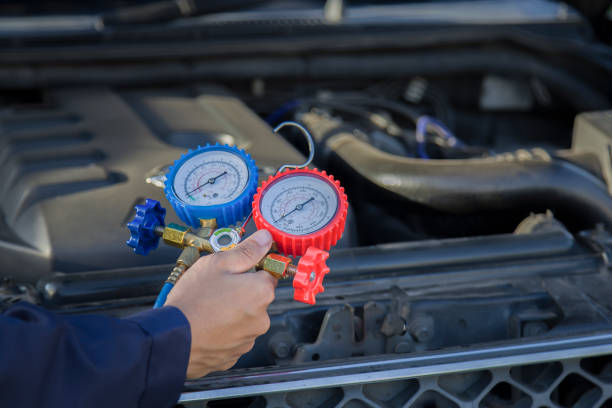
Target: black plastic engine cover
72 170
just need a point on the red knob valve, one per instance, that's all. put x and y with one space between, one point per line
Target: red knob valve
308 280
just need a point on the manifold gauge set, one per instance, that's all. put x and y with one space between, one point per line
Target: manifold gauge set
214 191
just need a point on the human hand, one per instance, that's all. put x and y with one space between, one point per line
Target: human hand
226 307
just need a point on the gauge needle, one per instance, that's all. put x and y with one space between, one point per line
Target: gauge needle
297 208
209 181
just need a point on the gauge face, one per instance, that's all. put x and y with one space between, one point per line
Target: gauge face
299 204
211 178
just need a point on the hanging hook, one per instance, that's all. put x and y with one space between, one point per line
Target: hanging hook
307 135
311 152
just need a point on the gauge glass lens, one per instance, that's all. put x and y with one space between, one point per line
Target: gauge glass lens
299 204
211 178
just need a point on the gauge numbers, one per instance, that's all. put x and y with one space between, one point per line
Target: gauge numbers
211 178
299 204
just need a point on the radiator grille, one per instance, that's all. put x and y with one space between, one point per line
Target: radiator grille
572 383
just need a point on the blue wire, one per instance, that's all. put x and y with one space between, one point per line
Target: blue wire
421 130
423 122
273 118
163 294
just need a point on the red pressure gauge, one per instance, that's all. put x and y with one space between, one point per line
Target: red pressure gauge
301 208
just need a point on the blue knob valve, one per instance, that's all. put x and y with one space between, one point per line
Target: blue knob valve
149 216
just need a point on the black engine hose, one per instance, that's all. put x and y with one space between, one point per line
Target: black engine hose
524 179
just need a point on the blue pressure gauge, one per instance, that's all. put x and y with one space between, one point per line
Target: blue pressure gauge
215 181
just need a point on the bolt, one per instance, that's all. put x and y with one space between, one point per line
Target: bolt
281 349
421 334
421 328
291 270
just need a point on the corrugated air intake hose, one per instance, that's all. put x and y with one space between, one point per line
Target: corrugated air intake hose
523 179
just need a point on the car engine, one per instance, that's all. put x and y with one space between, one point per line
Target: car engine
474 269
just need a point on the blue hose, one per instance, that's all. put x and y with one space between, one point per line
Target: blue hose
163 294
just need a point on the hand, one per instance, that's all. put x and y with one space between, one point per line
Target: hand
226 307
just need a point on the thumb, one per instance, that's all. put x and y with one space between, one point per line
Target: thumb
246 254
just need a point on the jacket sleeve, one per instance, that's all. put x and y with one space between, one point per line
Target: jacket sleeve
49 360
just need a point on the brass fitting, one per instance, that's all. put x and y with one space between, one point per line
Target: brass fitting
181 237
193 244
207 227
276 265
291 271
176 273
208 223
201 244
188 257
174 235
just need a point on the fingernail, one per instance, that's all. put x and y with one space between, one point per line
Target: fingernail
263 237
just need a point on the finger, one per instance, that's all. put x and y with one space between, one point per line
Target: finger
262 325
246 254
260 287
199 265
266 278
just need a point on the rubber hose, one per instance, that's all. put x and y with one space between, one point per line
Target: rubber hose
509 181
163 294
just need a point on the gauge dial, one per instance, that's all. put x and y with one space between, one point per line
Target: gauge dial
212 182
299 204
211 178
301 208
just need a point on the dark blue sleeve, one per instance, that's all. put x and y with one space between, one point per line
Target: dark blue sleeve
49 360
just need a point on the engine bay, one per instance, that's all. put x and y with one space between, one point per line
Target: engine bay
85 157
479 215
66 156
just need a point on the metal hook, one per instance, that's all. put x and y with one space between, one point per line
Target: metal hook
311 149
311 153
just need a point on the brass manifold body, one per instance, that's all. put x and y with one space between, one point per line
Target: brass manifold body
195 243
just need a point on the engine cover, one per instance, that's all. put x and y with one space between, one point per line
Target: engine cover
72 171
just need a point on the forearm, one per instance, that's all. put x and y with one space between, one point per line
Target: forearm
52 360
